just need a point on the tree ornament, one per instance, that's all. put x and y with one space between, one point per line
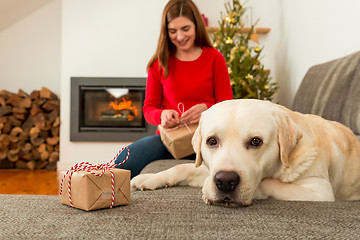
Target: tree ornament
249 77
228 19
229 41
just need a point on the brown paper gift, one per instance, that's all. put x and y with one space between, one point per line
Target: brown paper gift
178 140
90 192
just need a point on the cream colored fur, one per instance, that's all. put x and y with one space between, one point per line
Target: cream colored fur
301 158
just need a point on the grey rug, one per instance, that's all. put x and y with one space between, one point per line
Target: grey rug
177 213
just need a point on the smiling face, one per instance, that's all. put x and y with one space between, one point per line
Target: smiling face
182 33
238 143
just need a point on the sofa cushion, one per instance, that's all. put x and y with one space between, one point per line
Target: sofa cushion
332 90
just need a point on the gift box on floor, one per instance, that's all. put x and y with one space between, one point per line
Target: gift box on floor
178 140
90 192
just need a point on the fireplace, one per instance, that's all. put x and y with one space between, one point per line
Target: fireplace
108 109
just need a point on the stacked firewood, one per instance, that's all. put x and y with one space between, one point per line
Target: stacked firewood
29 129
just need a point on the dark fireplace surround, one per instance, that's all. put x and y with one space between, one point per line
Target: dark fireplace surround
108 109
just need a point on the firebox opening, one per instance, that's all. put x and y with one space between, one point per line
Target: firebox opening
111 108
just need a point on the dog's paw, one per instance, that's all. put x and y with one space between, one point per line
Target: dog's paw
137 182
148 181
259 194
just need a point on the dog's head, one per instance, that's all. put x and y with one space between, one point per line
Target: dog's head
241 142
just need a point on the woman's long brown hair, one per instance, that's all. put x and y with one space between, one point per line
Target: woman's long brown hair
165 48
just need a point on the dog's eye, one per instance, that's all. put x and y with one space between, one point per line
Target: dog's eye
255 142
211 142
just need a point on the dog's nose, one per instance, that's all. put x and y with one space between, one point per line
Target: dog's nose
226 181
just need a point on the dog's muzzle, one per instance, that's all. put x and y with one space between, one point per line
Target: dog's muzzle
226 181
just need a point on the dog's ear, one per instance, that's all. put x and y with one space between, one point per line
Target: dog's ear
196 142
289 135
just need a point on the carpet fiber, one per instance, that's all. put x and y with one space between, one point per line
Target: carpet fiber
177 213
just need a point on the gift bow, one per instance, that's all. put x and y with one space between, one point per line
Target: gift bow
86 166
181 108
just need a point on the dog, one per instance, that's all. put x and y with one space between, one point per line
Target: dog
255 149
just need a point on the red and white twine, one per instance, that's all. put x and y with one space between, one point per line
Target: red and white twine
86 166
181 108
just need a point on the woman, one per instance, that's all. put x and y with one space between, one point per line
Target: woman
184 69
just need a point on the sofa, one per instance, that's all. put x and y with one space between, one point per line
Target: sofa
332 91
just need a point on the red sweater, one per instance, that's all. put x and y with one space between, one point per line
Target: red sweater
204 80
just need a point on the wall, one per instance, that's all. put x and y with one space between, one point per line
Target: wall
30 51
307 33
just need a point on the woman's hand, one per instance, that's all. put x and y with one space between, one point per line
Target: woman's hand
193 115
169 118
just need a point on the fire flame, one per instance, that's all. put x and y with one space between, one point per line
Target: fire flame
124 105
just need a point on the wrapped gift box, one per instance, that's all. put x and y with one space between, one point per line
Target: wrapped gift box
178 140
90 192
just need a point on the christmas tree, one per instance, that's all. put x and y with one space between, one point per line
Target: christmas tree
248 77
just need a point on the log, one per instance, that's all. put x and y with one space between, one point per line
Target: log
6 128
14 100
28 123
14 151
25 155
27 147
21 165
19 116
36 141
29 129
22 93
49 148
25 103
55 131
54 157
3 153
35 95
5 110
46 127
44 134
52 140
51 105
36 106
31 165
42 148
16 131
39 120
6 94
34 132
47 94
3 119
13 139
4 140
53 115
12 157
14 122
56 122
44 156
2 101
41 164
35 154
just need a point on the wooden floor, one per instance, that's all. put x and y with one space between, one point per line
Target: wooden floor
39 182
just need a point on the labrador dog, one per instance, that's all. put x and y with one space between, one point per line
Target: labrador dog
253 149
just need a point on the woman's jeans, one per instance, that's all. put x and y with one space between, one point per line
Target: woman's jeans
142 153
